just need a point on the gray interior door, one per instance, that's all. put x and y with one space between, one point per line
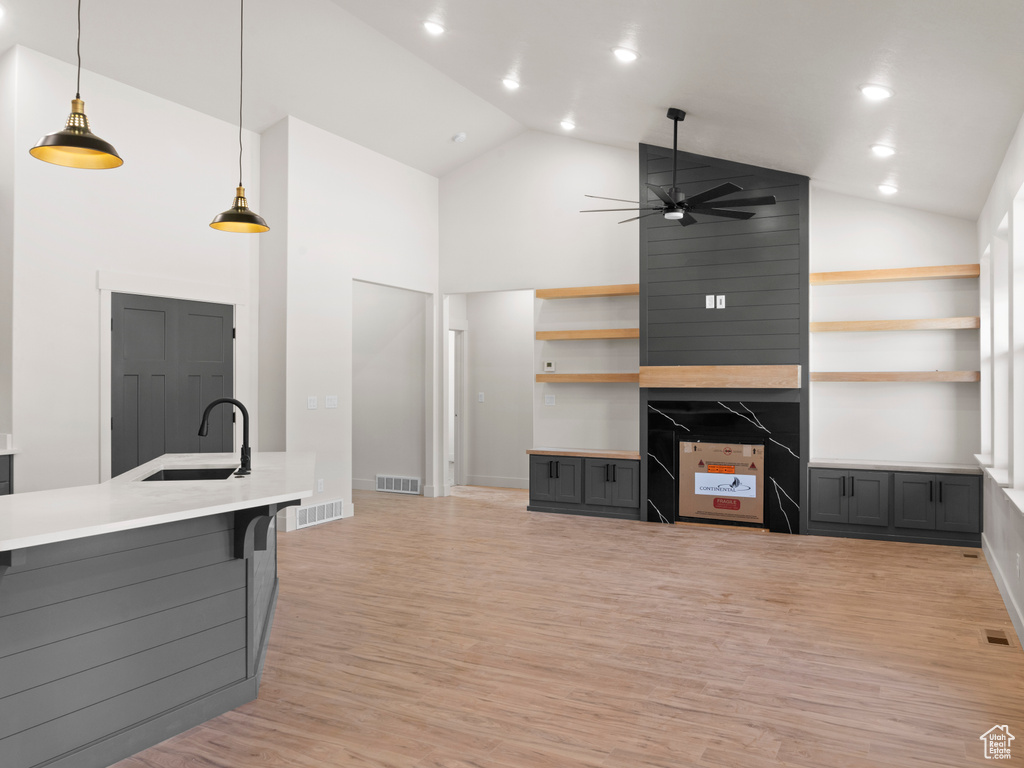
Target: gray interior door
169 358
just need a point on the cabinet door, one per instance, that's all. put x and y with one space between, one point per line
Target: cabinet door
867 496
597 484
568 479
5 488
828 496
542 478
958 503
626 484
915 500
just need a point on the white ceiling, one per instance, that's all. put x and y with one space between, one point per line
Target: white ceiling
768 82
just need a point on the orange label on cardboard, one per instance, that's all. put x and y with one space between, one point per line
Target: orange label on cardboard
722 469
727 504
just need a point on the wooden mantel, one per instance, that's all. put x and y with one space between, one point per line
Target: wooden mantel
720 376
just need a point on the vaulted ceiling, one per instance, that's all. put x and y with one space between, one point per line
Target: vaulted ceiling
770 83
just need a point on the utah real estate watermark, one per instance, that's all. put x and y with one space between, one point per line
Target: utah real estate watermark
997 742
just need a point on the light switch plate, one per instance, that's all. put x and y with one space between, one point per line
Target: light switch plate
720 302
549 399
709 301
311 403
320 485
330 401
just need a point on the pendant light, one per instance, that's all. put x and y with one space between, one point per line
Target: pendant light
76 146
238 218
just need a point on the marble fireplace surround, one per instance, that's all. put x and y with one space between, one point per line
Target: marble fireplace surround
771 418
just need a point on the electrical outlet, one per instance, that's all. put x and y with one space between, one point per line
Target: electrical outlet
311 402
720 302
320 485
709 301
479 397
549 399
330 401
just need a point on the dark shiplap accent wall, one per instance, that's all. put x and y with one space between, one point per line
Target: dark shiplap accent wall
755 263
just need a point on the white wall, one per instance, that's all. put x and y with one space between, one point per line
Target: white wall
342 226
920 422
388 361
510 220
499 363
8 86
144 224
1003 536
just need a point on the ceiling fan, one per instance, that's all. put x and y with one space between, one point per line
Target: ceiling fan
676 206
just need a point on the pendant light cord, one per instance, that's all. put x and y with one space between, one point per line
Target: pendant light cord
78 47
241 75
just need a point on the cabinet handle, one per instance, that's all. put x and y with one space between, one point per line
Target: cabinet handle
551 468
851 486
607 472
844 485
556 469
931 490
940 491
613 473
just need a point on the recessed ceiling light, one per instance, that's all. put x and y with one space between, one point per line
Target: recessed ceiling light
887 189
876 92
510 83
567 125
433 28
881 150
626 55
459 137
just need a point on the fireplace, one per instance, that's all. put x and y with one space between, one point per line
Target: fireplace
763 439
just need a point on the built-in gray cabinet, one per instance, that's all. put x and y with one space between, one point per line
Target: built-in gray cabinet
934 508
595 486
6 475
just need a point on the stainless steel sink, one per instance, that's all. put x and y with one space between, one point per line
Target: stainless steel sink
193 473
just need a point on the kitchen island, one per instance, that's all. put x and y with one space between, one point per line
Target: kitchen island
133 610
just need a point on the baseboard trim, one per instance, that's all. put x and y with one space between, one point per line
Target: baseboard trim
364 485
1012 608
490 481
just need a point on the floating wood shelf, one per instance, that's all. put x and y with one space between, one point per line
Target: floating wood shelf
955 376
588 378
955 271
720 376
605 333
587 292
935 324
590 453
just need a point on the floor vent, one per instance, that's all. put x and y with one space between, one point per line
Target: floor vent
318 513
996 637
971 555
396 484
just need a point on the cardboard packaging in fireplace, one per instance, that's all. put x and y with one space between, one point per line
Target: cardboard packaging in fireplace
722 481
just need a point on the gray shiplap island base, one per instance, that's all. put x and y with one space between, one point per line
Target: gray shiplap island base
131 611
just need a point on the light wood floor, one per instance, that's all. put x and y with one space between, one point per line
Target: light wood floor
467 632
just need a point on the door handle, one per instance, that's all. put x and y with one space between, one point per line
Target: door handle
931 490
851 486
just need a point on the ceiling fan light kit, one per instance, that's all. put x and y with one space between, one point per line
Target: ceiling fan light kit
675 206
76 146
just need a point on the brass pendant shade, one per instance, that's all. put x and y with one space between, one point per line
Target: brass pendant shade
238 218
76 146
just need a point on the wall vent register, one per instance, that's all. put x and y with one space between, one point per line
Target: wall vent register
318 513
397 484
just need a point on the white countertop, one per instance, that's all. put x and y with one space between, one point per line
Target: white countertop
125 502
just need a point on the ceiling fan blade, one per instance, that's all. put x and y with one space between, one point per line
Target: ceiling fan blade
643 216
661 193
711 194
617 199
603 210
726 214
769 200
687 220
